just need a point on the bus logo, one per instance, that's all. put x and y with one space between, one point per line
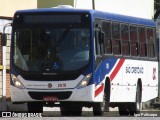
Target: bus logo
134 70
154 73
49 85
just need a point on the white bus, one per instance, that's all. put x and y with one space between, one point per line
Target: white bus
82 58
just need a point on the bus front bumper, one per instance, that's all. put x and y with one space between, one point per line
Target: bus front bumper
85 94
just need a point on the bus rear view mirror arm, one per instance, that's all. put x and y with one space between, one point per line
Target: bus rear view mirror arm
4 35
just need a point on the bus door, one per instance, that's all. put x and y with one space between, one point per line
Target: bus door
99 36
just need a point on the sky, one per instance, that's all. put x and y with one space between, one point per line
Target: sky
137 8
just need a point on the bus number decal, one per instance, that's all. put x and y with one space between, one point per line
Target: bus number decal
107 65
62 85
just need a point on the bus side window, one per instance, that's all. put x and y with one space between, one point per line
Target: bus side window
150 43
133 41
116 43
125 39
106 27
142 42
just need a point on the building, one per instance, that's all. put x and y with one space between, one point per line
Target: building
4 60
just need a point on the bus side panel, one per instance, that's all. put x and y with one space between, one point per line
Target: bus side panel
150 89
116 81
103 71
133 70
120 91
99 83
114 69
124 83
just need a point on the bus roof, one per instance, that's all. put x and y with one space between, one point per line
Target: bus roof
95 14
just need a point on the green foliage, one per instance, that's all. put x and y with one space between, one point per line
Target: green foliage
157 5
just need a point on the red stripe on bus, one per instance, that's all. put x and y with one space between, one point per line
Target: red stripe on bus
116 70
99 90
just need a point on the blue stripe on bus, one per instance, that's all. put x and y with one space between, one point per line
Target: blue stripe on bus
104 69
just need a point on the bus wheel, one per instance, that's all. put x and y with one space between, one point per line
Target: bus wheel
35 107
101 107
134 108
71 111
106 97
98 109
65 111
123 110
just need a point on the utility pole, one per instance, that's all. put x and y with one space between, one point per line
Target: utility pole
93 4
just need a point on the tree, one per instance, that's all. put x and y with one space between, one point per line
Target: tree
156 8
157 5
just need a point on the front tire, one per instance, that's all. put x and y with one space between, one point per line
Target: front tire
98 109
35 107
101 107
70 110
65 111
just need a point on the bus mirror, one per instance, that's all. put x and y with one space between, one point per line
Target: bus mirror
4 39
101 37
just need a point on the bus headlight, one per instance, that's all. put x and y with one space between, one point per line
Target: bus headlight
85 81
16 82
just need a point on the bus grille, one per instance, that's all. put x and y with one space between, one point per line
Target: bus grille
59 95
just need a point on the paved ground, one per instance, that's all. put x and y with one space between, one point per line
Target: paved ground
87 112
55 112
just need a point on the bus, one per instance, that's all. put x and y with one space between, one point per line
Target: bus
73 58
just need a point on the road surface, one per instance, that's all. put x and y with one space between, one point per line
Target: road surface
87 112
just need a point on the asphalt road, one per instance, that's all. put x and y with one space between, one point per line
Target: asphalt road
88 115
87 112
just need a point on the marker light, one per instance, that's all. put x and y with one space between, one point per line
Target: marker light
85 81
16 82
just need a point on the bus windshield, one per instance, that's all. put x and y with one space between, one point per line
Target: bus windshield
41 48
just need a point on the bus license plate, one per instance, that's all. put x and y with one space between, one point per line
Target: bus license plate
50 99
